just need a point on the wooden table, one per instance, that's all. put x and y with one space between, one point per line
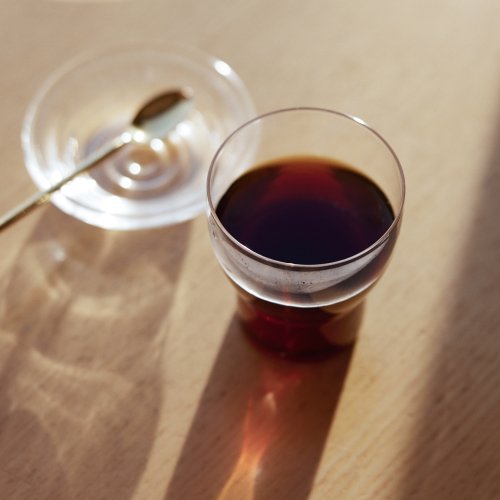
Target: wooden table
123 373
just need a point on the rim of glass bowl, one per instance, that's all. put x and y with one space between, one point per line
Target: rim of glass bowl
90 214
308 267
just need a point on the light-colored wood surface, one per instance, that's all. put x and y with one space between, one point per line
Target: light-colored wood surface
123 374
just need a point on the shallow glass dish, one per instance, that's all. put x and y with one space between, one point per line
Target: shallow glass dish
94 97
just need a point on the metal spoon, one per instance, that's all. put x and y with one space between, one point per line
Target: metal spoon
155 119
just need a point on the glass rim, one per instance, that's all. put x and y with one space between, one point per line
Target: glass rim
307 267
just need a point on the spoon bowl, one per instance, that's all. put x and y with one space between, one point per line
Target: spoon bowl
158 116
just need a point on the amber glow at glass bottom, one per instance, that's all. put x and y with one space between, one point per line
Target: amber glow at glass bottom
300 333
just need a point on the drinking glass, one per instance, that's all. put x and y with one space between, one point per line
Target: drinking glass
290 308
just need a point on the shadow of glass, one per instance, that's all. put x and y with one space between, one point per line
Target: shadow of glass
261 424
82 326
456 449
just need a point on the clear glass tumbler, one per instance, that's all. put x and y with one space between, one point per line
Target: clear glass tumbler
289 305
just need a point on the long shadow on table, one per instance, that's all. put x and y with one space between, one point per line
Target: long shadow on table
456 447
261 425
82 328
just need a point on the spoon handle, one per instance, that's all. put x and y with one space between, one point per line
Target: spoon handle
41 197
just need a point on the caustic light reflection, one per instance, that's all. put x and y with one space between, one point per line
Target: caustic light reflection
260 429
157 145
134 168
222 68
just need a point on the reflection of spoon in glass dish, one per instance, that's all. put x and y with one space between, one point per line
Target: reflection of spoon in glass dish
155 119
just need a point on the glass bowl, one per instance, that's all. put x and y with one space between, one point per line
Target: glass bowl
93 98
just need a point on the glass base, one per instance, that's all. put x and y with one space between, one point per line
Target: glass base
299 334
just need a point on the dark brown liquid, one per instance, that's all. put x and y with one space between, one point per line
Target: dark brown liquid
305 211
